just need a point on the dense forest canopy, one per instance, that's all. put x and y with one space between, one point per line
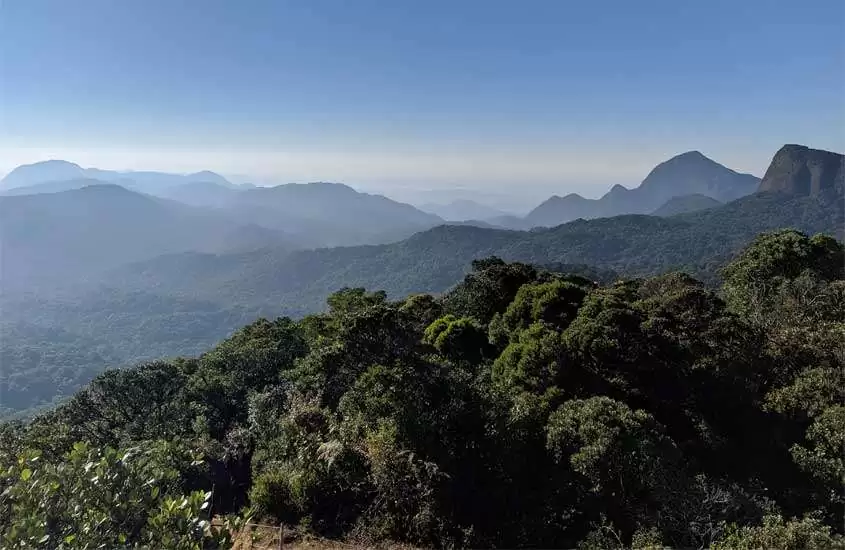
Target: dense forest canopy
524 407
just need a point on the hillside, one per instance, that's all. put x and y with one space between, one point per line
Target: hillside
433 260
799 170
208 293
51 187
684 204
312 215
686 174
51 238
202 297
524 408
143 181
327 214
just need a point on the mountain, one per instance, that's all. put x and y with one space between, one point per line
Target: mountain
179 303
685 203
144 181
326 214
51 187
800 170
691 173
462 210
53 237
314 214
557 210
192 292
42 172
431 261
685 174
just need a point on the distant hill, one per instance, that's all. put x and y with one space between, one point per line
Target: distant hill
432 260
685 203
326 214
462 210
800 170
145 181
313 214
43 172
53 237
203 283
685 174
51 187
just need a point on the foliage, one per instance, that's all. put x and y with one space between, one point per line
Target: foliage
103 497
181 304
524 407
805 534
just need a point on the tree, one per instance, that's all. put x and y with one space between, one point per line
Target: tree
104 497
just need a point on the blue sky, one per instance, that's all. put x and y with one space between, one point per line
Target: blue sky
551 95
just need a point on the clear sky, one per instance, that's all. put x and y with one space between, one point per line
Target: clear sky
556 95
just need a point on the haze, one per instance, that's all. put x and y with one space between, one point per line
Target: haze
398 97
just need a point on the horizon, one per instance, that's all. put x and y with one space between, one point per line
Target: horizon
482 97
419 197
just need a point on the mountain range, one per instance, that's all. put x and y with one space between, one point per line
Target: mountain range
135 276
61 170
689 173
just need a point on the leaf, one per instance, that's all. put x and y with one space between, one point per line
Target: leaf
70 538
26 473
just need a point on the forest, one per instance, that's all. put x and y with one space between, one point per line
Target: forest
182 304
524 407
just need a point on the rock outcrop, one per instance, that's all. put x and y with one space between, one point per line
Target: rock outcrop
799 170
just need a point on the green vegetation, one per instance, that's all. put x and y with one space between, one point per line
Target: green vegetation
524 407
184 303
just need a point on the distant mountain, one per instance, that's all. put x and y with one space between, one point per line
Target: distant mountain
314 214
685 174
800 170
42 172
51 187
179 302
54 237
631 245
462 210
557 210
326 214
61 170
684 204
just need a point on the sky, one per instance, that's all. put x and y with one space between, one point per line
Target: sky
525 98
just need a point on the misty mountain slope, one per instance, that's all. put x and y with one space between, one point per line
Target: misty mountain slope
684 204
328 214
54 237
180 303
144 181
51 187
430 261
685 174
43 172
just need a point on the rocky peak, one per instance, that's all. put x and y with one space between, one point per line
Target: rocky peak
799 170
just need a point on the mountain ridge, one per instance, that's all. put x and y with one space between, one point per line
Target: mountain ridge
798 169
684 174
56 170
